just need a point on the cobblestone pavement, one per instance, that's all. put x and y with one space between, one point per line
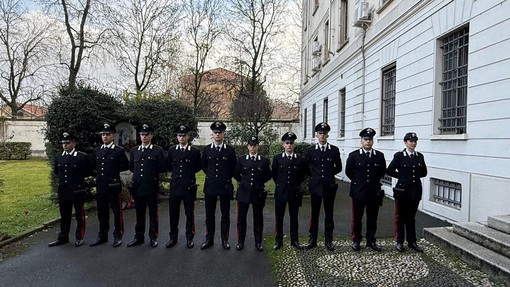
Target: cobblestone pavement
344 267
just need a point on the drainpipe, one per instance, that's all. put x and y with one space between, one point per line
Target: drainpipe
363 72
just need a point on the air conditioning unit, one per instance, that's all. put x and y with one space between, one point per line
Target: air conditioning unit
316 64
316 48
362 14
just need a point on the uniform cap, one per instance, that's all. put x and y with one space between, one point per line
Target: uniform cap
253 140
411 136
322 127
182 130
289 136
146 129
108 129
367 133
218 126
67 138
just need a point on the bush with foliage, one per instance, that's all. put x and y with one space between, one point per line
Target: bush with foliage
15 150
164 115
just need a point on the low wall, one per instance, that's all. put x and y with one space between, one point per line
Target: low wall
31 131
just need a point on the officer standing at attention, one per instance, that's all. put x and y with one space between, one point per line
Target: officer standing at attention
147 161
288 173
323 160
408 166
184 162
252 172
109 160
71 167
365 168
218 163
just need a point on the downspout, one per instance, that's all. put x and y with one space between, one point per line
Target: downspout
363 72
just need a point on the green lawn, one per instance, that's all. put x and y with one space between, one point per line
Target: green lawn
25 197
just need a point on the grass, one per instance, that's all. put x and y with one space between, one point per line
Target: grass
25 196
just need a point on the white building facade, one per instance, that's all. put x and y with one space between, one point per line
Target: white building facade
435 67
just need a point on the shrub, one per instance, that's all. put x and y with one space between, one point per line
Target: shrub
15 150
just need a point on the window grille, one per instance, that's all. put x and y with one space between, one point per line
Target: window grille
454 82
447 193
341 99
388 101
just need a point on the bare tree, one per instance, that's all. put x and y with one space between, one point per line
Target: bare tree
24 58
84 28
203 27
145 38
259 22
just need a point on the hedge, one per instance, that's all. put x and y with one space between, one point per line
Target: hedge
15 150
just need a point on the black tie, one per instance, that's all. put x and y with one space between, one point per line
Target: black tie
252 158
289 157
182 149
322 148
218 148
143 149
412 155
367 154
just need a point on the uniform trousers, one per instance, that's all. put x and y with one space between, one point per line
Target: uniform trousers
105 201
210 211
358 208
293 215
174 204
329 225
405 213
142 203
258 221
66 213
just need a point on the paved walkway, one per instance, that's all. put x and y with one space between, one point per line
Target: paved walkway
30 262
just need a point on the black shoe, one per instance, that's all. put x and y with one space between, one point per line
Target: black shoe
189 243
225 244
415 247
154 243
171 243
329 246
78 243
400 247
373 246
117 242
207 243
298 245
99 241
239 246
259 247
312 243
135 242
58 242
355 246
278 245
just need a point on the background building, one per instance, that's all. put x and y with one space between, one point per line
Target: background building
438 68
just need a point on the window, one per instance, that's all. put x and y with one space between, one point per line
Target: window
343 24
447 192
388 100
314 107
454 52
326 41
305 122
341 110
325 110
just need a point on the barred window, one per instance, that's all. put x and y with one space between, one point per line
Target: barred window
325 110
341 109
343 24
386 180
447 193
454 49
314 113
305 122
388 100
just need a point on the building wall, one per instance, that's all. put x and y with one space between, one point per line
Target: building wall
26 131
407 33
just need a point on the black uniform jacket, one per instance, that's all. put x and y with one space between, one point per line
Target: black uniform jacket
219 169
146 167
288 176
71 171
408 171
323 166
365 173
108 163
183 165
251 176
